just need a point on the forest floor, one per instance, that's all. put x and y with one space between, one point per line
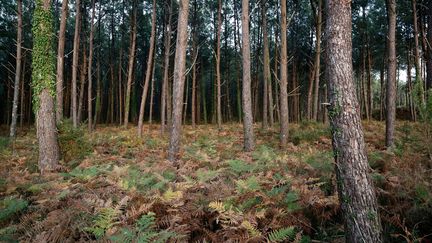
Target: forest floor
114 187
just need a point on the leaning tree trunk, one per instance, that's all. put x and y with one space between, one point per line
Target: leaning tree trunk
179 80
75 63
89 72
44 86
60 62
356 191
130 65
148 71
17 72
283 79
249 142
391 73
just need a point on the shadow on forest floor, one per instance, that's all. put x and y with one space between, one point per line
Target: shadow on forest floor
113 186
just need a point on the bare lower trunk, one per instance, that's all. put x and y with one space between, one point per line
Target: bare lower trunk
60 61
356 192
317 66
179 79
284 78
152 96
17 72
249 142
83 73
391 73
148 71
218 73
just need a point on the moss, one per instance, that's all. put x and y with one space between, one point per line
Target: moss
43 55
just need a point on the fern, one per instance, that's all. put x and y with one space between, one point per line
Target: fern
171 195
252 230
249 185
7 234
281 234
217 206
11 206
105 220
239 166
145 232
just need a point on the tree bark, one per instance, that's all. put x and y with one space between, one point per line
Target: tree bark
75 63
355 188
148 71
179 79
131 63
284 78
60 61
44 86
317 66
83 73
17 71
266 74
249 142
164 94
194 68
218 72
391 73
89 72
429 49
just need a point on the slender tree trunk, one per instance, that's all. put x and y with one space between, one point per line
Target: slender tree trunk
356 191
164 94
83 73
17 72
120 85
44 86
194 69
152 95
267 75
410 87
429 49
284 78
249 142
131 63
89 72
75 63
148 71
60 61
369 82
391 73
98 93
179 79
317 66
218 72
22 103
236 45
417 64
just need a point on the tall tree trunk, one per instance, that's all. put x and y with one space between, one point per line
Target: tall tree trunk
89 72
284 78
410 87
17 72
218 72
164 94
98 93
120 87
267 75
83 73
356 191
75 63
131 63
44 86
317 66
60 61
236 45
22 103
391 73
429 49
152 95
249 142
418 79
194 69
148 71
179 79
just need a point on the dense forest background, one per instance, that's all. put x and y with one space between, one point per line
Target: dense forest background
112 41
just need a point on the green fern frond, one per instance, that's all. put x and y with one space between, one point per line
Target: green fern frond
105 220
249 185
252 230
11 206
146 222
217 206
281 234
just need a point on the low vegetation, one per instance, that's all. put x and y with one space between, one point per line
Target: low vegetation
113 186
